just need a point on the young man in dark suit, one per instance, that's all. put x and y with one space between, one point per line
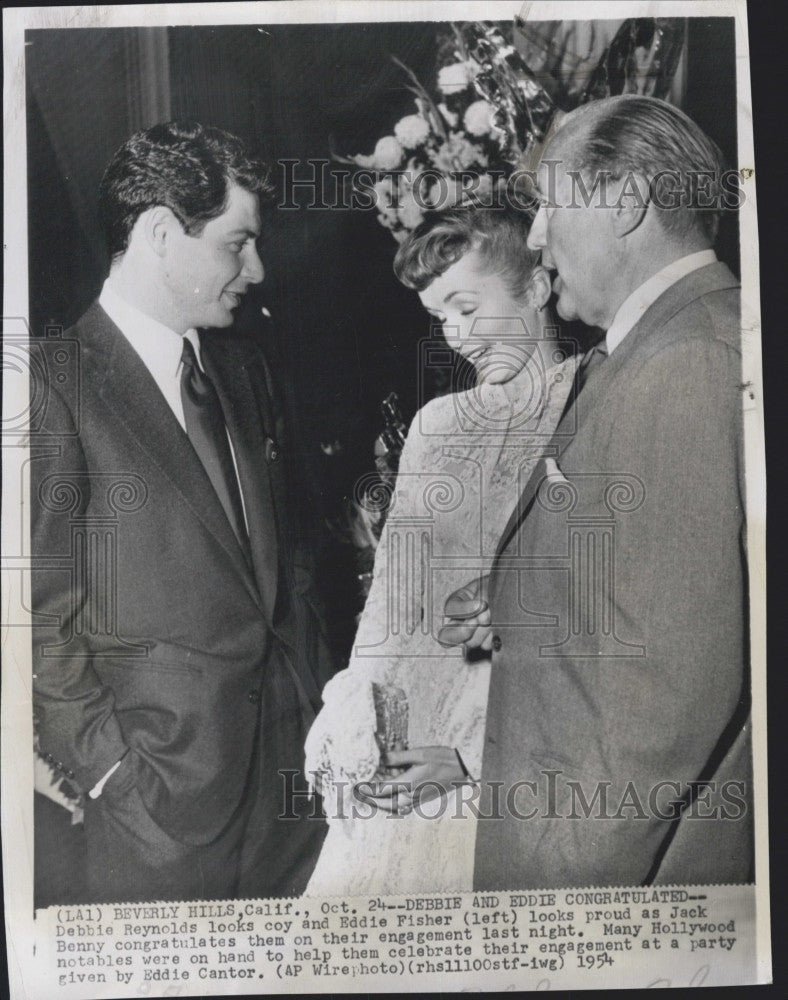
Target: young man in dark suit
178 662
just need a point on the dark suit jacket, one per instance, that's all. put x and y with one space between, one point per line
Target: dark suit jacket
618 598
151 632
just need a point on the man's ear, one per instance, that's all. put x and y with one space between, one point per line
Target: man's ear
631 204
159 225
540 287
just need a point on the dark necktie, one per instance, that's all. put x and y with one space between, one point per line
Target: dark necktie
208 434
591 360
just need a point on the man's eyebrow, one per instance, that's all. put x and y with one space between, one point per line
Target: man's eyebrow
244 232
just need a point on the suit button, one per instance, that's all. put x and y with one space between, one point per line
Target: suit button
253 697
69 774
59 765
49 758
497 643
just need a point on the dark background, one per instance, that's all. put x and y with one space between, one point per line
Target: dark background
55 286
344 333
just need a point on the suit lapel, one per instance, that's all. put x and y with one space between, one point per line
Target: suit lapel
132 396
226 366
642 340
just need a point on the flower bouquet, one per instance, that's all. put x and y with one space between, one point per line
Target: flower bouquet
453 146
488 112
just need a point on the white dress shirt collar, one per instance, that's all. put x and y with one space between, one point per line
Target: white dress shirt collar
633 307
160 349
158 346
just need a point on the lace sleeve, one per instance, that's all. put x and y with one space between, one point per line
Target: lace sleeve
341 745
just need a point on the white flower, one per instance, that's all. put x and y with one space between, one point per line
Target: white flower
384 193
475 190
387 156
478 118
388 153
410 212
484 190
450 191
411 131
388 217
421 182
450 116
458 154
456 76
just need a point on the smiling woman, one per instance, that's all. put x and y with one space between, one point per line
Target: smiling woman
458 480
476 275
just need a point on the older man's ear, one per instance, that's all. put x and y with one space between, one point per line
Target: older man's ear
632 200
540 288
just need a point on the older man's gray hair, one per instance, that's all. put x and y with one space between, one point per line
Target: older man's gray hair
637 136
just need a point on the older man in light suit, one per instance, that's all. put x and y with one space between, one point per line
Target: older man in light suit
617 744
177 658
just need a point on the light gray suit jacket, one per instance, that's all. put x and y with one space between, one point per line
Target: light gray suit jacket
618 600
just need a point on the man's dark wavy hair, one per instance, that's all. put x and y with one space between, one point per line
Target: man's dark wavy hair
184 166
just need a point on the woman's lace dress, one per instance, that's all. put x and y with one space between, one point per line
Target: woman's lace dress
465 462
